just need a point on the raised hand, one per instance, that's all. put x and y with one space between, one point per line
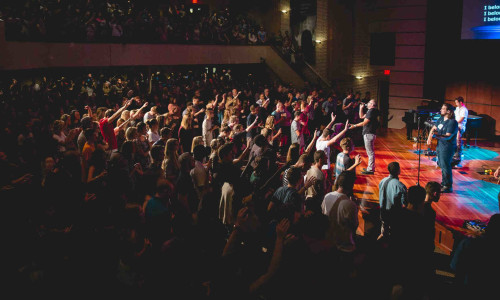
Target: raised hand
309 182
242 219
333 116
282 228
357 159
347 125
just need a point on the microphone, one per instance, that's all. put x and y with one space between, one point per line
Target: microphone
414 118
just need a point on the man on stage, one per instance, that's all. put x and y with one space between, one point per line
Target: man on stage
370 125
461 114
446 129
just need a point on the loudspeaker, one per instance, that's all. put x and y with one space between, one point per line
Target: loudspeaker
383 49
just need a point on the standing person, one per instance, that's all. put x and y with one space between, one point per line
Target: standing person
186 133
344 162
283 121
208 127
316 192
254 112
461 114
343 215
347 105
325 141
392 197
432 194
296 131
106 125
370 125
447 129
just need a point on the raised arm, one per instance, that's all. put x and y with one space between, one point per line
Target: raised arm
338 136
333 117
119 112
244 154
253 124
137 112
313 142
281 230
361 114
89 111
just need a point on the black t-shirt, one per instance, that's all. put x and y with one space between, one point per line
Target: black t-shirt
372 126
444 127
254 131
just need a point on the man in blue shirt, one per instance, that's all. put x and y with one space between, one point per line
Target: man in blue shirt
446 129
393 197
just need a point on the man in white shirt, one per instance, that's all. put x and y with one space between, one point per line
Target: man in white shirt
342 213
461 114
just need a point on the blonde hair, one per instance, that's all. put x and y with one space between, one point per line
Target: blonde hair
270 122
346 143
197 140
187 120
171 155
125 115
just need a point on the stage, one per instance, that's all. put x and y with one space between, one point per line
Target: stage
475 194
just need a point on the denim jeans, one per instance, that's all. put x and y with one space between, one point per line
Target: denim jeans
445 156
369 139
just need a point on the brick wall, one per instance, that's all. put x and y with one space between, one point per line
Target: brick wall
322 12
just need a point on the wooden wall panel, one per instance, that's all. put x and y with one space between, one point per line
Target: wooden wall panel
402 26
389 3
401 13
479 92
407 77
455 89
410 51
480 97
417 38
406 90
409 65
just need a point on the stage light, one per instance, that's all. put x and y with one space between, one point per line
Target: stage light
359 77
284 11
318 41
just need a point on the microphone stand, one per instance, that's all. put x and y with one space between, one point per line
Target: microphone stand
419 150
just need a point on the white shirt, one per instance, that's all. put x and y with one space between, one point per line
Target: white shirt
153 136
199 174
148 116
459 113
343 220
206 133
322 145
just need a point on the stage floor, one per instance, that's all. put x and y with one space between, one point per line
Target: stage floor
475 195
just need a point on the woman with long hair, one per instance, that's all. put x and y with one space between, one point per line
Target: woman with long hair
197 140
170 163
274 134
186 133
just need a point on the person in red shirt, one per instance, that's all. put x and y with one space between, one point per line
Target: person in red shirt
107 127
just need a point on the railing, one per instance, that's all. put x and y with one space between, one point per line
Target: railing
304 69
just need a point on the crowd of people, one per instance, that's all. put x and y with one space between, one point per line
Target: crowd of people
128 22
205 186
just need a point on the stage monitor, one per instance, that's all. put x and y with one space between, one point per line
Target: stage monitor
481 20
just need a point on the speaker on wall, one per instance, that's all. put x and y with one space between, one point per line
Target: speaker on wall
383 49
